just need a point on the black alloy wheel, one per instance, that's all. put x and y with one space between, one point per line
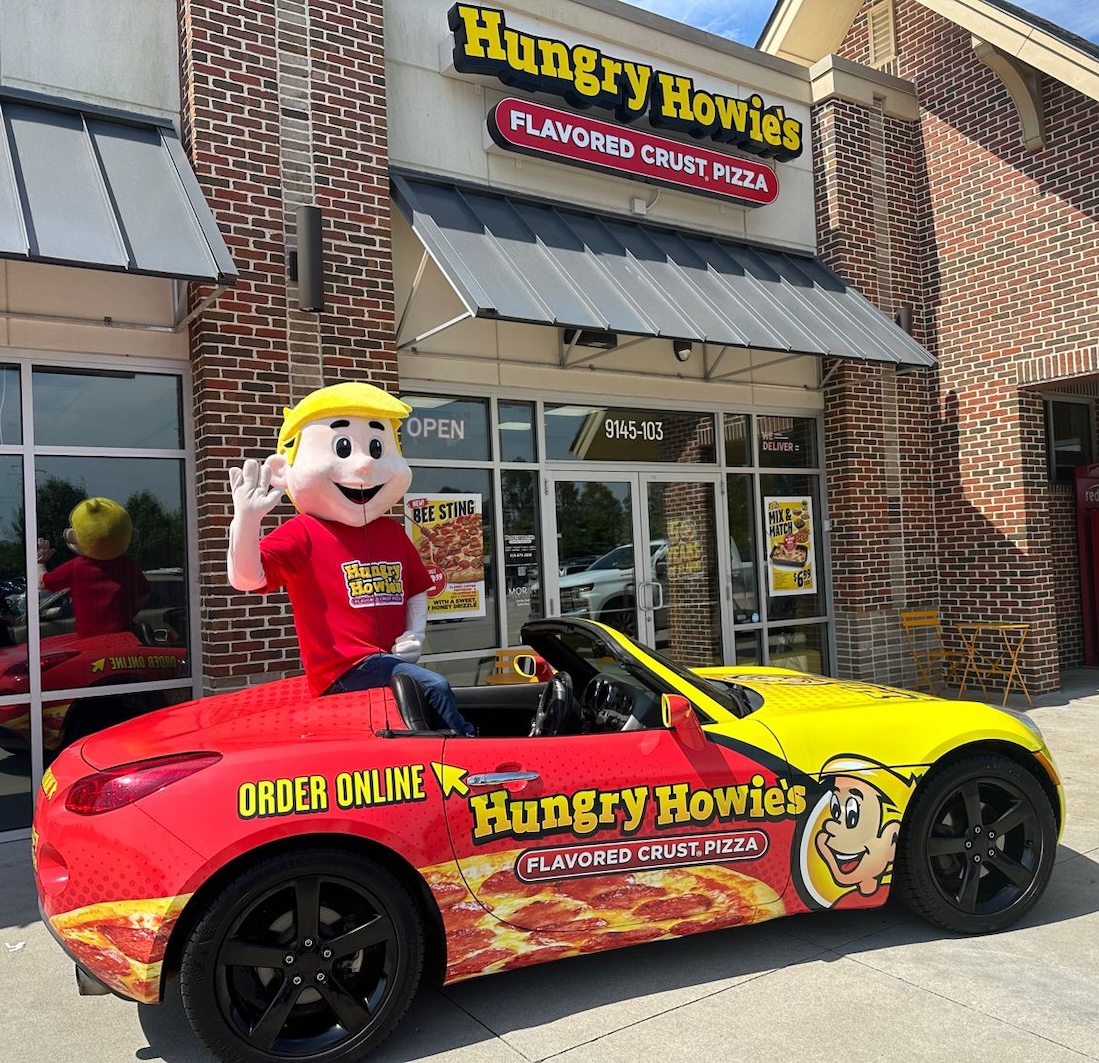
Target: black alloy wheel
312 956
977 847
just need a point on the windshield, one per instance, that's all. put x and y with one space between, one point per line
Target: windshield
619 557
728 695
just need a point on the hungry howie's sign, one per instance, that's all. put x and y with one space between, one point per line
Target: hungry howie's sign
586 77
533 129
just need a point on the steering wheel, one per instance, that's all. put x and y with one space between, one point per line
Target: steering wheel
554 706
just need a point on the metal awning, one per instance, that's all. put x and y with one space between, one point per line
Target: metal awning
547 264
102 189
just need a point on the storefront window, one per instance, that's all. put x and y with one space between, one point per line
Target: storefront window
601 433
123 619
787 442
773 598
802 648
456 541
120 617
1069 437
15 718
742 549
522 548
106 408
447 428
738 439
11 419
747 646
792 543
517 431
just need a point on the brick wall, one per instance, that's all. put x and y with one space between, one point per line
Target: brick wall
283 104
1002 276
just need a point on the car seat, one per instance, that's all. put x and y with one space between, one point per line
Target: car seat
411 703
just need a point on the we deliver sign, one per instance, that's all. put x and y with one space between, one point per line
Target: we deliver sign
533 129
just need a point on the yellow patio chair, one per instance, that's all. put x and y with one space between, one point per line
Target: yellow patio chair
936 666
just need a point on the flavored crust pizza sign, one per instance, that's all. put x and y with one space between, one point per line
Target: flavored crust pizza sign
448 531
790 555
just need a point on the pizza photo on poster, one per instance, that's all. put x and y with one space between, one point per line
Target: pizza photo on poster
448 532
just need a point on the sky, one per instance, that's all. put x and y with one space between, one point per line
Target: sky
743 20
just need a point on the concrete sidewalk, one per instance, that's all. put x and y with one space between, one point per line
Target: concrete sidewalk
845 986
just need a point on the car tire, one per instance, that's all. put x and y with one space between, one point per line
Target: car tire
357 947
977 846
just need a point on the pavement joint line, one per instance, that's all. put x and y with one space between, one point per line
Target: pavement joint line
675 1007
970 1007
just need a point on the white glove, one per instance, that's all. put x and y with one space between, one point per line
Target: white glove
253 495
409 646
253 498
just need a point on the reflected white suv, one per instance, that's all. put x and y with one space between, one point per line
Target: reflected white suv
604 590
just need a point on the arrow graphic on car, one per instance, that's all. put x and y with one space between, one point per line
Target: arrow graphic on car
450 779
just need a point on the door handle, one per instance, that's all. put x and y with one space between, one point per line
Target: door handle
501 778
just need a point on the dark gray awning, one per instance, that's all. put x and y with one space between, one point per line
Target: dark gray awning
85 186
545 264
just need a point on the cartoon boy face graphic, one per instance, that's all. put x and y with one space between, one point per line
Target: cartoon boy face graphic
855 842
853 829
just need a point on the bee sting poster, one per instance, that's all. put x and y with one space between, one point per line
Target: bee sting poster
448 532
791 563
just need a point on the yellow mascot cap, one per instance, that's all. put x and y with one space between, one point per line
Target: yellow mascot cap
339 400
102 528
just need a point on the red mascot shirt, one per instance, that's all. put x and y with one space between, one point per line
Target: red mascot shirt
106 595
348 588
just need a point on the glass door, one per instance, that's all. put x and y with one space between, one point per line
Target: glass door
679 592
638 552
592 557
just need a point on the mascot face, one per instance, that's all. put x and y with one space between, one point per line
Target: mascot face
347 469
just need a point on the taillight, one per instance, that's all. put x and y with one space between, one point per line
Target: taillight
48 660
107 790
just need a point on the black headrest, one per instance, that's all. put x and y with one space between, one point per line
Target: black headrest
410 703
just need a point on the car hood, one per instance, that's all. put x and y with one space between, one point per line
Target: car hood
595 576
282 712
817 719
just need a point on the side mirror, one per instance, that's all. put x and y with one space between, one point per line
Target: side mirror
679 716
525 665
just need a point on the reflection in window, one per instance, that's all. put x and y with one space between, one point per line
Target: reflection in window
801 648
106 408
441 427
738 439
522 548
599 433
1069 438
788 442
516 431
742 549
115 608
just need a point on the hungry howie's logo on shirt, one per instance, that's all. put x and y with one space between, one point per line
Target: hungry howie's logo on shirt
371 583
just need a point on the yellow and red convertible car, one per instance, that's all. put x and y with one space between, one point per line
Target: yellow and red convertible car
302 862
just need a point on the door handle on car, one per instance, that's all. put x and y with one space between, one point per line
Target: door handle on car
501 778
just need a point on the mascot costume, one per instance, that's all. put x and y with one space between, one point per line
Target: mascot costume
107 588
356 582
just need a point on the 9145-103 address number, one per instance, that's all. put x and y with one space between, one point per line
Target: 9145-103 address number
619 428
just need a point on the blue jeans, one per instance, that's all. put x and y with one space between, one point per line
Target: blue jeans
376 671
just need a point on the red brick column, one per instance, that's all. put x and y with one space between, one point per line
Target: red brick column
283 104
